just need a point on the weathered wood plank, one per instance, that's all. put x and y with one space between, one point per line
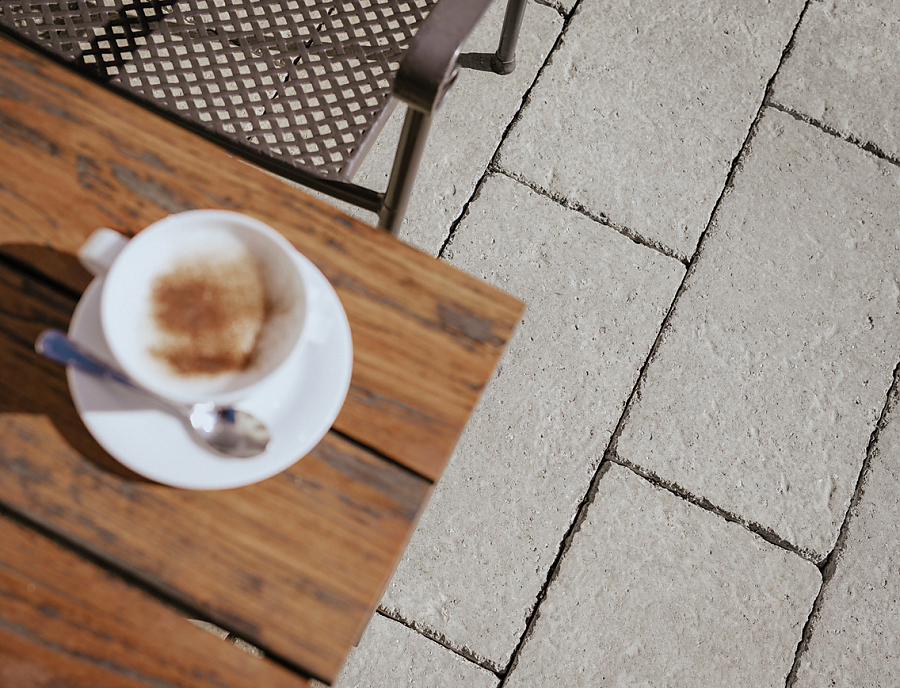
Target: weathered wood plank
76 157
64 621
295 564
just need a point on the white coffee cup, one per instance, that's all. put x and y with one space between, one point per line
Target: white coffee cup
203 305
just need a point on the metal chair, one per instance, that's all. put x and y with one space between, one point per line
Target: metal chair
300 87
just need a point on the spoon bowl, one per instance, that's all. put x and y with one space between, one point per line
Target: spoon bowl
224 429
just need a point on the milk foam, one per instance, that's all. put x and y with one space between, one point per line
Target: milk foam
271 337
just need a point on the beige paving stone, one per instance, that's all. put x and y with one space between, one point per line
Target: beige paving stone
767 385
594 304
466 130
655 591
842 70
389 655
210 628
855 633
645 105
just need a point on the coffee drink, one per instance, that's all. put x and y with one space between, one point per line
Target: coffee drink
203 305
209 314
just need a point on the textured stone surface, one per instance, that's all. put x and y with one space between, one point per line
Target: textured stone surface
842 70
855 634
767 386
210 628
594 304
392 656
645 105
657 592
466 130
763 393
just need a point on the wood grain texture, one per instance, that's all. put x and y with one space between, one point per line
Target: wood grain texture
295 564
77 157
67 623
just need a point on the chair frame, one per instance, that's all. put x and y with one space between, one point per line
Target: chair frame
427 72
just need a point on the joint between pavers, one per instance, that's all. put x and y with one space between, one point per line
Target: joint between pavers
526 96
892 399
454 226
553 572
612 454
702 502
440 639
769 101
867 146
567 17
737 161
591 493
751 133
601 218
828 566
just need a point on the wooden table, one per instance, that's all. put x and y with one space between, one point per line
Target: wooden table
99 567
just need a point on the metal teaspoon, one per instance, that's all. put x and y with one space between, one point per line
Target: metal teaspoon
222 428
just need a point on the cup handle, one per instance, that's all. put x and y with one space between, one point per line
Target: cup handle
101 249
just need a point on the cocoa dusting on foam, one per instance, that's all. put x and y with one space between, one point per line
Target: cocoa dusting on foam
209 314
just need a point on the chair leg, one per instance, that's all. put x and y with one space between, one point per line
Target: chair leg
504 60
403 172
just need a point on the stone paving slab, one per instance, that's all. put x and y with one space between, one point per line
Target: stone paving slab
643 108
466 131
655 591
389 655
842 70
855 632
767 385
595 302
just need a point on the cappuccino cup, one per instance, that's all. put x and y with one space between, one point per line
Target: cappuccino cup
203 305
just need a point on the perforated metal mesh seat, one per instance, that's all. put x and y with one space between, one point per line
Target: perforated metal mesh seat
306 83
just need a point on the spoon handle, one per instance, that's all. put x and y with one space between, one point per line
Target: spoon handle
224 429
56 346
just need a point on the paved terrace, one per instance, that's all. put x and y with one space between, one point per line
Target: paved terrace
686 469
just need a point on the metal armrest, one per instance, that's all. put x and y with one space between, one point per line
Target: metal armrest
429 67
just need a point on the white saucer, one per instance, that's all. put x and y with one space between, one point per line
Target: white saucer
299 406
